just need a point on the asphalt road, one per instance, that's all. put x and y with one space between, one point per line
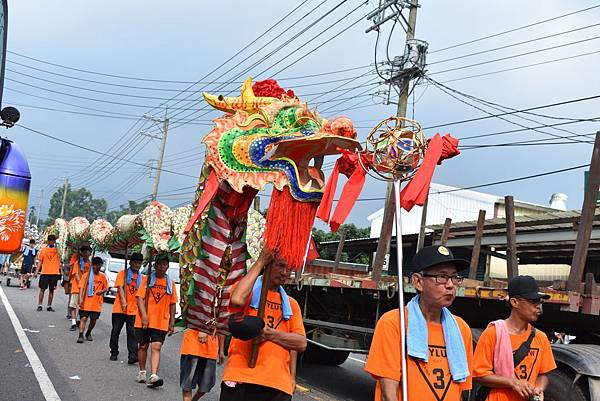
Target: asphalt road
84 372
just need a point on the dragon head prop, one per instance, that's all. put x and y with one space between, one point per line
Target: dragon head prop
275 140
266 136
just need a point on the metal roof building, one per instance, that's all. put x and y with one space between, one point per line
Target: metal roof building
459 205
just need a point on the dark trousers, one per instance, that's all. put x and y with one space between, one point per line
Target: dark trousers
252 392
118 320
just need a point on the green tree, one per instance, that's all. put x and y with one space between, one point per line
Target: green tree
352 232
132 207
79 202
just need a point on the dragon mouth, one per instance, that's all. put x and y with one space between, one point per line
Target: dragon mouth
312 148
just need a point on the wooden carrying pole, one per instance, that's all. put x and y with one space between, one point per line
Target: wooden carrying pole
340 249
261 311
446 231
512 265
584 230
477 246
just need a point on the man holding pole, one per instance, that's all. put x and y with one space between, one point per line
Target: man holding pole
128 282
80 265
439 344
271 377
156 300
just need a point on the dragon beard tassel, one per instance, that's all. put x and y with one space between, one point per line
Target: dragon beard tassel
289 225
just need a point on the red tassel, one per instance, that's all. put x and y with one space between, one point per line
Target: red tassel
289 224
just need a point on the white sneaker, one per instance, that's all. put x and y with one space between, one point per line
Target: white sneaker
141 377
154 381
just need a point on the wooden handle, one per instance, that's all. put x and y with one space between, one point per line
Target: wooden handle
261 312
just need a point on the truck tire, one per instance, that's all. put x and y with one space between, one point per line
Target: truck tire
321 356
562 388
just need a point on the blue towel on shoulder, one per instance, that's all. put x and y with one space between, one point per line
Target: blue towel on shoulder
90 292
417 340
286 308
169 283
130 277
81 263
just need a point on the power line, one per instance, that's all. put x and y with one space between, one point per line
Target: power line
514 29
271 53
583 99
98 152
522 67
450 92
514 44
516 55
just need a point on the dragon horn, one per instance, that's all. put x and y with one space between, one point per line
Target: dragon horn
247 101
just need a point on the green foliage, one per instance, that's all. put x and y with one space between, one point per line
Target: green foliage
352 232
132 207
78 203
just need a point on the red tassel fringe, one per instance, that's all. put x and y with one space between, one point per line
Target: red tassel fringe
289 224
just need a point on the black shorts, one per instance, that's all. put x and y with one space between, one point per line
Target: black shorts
146 336
92 315
48 281
252 392
26 269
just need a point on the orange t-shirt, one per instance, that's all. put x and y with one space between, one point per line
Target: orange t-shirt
159 304
273 363
93 303
191 345
50 261
539 360
130 293
75 272
429 381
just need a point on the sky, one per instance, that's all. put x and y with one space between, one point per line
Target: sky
143 54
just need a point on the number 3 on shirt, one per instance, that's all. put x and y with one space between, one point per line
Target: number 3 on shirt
270 321
523 369
439 376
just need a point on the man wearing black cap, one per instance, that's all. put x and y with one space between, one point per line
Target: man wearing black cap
125 308
512 358
439 345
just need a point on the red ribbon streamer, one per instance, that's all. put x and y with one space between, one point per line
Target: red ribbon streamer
438 149
349 165
210 190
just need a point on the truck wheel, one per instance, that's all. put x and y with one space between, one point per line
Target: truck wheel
321 356
562 388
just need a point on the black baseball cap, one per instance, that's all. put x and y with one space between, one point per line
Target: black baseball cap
431 256
525 287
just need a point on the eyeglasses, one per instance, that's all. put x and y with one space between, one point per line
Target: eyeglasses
443 278
534 302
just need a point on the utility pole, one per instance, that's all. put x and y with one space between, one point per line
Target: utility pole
385 237
161 156
37 218
163 143
64 199
586 221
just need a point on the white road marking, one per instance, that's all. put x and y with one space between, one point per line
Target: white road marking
46 385
356 359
